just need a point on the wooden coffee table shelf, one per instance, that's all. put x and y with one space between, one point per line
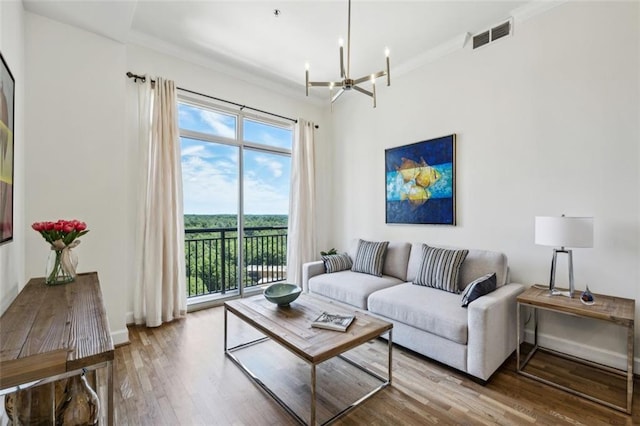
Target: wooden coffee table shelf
616 310
291 328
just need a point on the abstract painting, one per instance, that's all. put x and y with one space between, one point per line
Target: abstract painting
420 182
7 93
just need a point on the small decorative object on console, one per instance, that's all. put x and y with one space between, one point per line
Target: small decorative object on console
333 321
62 235
587 297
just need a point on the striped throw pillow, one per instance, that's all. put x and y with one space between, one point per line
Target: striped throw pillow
370 257
440 267
336 262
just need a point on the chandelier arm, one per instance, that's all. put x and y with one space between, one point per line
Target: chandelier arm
325 83
368 77
337 95
363 91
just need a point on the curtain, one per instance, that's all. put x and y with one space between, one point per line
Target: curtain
160 285
301 240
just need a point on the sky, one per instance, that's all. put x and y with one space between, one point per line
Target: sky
210 170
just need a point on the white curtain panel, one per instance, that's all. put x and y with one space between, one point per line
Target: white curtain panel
160 286
301 241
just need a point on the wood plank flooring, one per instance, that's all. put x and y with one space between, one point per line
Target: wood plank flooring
177 374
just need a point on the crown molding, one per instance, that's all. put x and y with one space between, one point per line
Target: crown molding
431 55
248 73
519 14
535 8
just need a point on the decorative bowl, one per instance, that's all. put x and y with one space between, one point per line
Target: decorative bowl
282 294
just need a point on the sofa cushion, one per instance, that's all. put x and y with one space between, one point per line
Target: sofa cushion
478 288
370 257
425 308
440 268
336 262
350 287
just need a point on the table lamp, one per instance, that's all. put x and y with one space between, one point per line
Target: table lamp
563 232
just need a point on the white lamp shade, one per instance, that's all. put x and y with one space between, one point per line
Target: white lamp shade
564 231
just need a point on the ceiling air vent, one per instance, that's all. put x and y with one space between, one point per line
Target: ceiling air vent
493 34
500 31
480 39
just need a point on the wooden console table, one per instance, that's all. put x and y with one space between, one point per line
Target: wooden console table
616 310
52 332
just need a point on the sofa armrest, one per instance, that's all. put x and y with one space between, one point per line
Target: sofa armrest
310 270
492 328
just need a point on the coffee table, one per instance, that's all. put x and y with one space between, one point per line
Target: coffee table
291 328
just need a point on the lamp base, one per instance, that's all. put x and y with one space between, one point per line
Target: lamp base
555 292
552 279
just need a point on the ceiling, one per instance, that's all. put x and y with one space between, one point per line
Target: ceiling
247 39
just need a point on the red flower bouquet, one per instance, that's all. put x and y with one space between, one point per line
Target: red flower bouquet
62 235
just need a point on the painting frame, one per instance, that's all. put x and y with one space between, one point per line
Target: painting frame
420 182
7 151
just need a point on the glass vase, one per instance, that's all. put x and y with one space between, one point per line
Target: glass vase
56 272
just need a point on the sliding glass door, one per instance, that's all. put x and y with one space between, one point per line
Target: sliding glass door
236 172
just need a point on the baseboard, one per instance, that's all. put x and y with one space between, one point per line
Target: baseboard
120 337
128 319
599 355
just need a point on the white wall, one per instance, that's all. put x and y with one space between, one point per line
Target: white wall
76 151
82 160
546 124
12 277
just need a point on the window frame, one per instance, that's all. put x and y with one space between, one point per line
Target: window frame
241 144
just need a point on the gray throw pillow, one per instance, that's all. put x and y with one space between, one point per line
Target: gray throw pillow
440 268
337 262
478 288
370 257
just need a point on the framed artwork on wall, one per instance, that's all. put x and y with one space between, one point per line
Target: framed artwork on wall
420 182
7 103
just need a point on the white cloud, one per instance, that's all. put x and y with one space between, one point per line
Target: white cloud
275 167
217 123
193 150
210 186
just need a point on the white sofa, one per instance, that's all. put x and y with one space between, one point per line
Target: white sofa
432 322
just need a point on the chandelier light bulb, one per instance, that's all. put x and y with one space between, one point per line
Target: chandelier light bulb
386 52
306 66
340 42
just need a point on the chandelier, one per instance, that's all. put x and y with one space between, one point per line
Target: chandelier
347 83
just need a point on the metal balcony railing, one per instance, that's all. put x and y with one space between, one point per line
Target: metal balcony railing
212 258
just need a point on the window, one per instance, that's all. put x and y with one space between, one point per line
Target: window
235 173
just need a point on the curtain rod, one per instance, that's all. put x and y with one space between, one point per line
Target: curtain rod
143 79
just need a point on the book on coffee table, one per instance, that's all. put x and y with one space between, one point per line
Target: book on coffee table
333 321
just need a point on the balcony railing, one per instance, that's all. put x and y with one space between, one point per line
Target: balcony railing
212 258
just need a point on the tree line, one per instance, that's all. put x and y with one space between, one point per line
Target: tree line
212 256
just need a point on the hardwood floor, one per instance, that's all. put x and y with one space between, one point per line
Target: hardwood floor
177 374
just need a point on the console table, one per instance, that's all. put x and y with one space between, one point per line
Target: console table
53 332
616 310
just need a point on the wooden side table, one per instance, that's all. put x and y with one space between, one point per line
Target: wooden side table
616 310
53 332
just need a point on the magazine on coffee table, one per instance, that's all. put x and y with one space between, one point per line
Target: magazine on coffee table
333 321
